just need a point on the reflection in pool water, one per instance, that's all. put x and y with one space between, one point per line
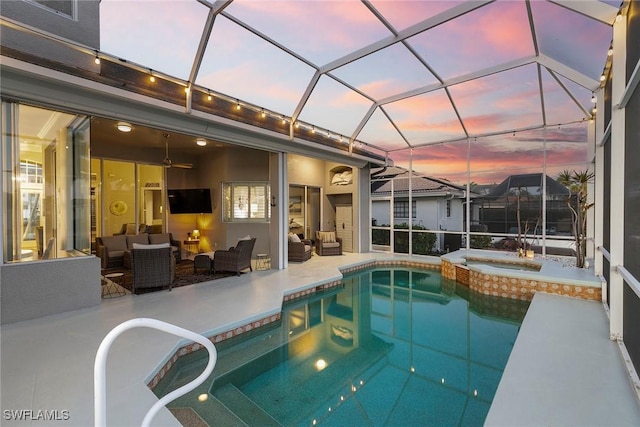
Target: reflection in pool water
392 347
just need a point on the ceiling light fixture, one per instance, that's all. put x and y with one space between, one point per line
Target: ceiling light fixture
201 142
124 127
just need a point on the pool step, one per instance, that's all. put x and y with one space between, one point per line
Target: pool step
243 407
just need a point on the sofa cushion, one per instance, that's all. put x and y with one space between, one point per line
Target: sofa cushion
115 243
247 237
156 246
330 245
155 239
142 238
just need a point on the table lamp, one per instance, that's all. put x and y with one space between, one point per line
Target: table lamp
196 234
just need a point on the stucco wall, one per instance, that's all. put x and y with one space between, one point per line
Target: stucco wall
30 290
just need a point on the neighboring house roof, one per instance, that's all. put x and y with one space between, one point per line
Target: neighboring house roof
421 185
526 181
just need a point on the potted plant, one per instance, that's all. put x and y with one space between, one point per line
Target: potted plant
577 184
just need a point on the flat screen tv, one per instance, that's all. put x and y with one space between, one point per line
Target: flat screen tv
190 201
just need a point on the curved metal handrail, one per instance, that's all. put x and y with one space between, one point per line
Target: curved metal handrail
99 369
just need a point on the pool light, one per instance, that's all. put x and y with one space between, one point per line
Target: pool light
203 397
320 364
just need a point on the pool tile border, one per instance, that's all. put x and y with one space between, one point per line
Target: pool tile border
293 296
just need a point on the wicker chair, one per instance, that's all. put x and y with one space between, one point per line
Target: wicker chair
235 258
328 248
152 267
299 251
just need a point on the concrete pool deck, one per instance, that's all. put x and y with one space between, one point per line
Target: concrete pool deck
47 363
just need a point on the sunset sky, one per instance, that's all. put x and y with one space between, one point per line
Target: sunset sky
443 79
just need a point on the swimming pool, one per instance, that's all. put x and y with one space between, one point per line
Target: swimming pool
390 347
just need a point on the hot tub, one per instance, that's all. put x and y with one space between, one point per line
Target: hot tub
504 274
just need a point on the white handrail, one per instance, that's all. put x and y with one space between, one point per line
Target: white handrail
99 369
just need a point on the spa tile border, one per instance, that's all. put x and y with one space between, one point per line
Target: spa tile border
515 287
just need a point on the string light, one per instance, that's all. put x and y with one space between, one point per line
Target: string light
97 60
209 97
593 98
263 114
238 107
152 78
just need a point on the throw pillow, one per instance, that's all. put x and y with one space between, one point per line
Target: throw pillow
293 238
247 237
328 236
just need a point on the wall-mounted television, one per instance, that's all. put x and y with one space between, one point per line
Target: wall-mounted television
190 201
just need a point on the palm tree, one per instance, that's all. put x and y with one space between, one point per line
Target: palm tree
577 184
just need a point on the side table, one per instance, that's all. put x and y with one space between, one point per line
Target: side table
191 247
113 285
263 262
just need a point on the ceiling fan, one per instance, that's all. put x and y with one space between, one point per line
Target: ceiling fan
167 163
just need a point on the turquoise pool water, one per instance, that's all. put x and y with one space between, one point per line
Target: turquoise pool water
392 347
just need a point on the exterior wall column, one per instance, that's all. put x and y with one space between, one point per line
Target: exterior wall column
618 79
598 189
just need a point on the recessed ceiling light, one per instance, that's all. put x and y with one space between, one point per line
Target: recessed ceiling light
201 142
124 127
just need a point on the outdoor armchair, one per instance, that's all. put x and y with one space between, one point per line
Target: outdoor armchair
152 266
299 250
236 258
327 243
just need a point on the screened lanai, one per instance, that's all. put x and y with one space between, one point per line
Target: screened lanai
389 75
471 92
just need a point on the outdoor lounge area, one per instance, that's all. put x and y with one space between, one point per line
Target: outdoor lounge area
474 160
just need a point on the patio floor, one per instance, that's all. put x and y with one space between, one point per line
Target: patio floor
563 369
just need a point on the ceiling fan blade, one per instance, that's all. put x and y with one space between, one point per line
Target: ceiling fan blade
182 165
167 163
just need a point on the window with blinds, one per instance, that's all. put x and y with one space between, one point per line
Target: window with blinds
246 201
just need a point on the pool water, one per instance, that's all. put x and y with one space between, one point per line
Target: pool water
391 347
